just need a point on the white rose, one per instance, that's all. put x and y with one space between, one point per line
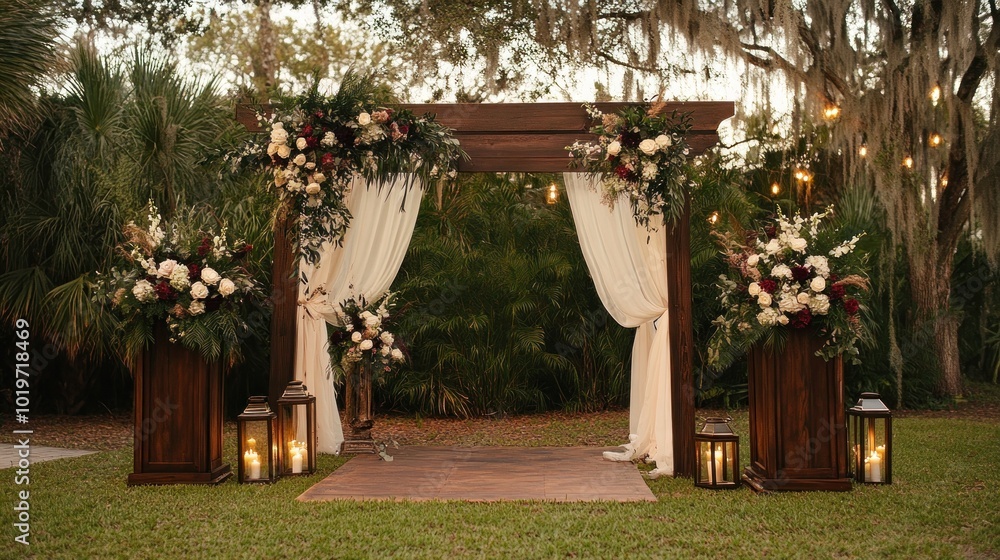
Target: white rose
279 136
299 160
764 299
272 149
648 147
387 338
663 141
356 337
797 244
789 304
364 119
781 271
649 170
301 143
372 321
366 345
226 287
772 247
312 188
196 307
385 351
397 354
310 165
752 260
166 268
782 319
754 289
199 290
802 298
818 284
614 148
179 277
284 151
318 177
209 276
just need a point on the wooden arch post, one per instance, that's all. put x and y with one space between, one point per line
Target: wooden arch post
532 138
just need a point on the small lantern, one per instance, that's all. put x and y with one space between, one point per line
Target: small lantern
870 428
256 429
717 451
297 426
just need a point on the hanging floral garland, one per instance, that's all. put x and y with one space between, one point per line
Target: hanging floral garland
641 154
318 144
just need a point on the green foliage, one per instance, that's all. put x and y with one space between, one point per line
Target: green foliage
27 37
503 316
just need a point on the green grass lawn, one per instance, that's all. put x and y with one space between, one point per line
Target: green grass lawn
944 503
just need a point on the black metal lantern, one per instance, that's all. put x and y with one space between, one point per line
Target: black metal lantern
717 450
870 428
297 426
256 429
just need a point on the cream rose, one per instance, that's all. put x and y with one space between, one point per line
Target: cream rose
663 141
364 119
385 351
802 298
318 177
614 148
356 337
754 289
764 299
648 146
279 135
284 151
196 307
199 290
272 149
209 276
226 287
397 354
387 338
299 160
797 244
301 143
166 268
312 188
782 319
818 284
366 345
752 260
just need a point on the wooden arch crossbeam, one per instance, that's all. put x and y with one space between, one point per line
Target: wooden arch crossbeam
531 138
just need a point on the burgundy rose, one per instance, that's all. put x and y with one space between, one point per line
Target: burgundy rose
404 129
319 114
771 232
164 292
345 135
327 161
213 303
242 251
194 272
205 247
837 292
623 172
768 285
800 273
630 139
802 319
851 305
307 130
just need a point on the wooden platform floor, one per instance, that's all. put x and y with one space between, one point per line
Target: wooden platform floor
560 474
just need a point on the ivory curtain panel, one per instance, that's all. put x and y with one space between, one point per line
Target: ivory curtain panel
629 268
366 264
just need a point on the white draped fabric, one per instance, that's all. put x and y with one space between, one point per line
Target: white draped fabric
366 264
629 268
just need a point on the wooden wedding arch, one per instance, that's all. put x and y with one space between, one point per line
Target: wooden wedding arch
529 138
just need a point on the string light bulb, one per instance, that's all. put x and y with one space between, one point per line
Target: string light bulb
944 181
799 174
908 162
553 195
863 150
713 218
935 95
934 140
831 112
775 189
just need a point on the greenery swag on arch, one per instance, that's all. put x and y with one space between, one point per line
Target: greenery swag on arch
318 144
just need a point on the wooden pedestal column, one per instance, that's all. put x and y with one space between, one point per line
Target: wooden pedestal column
178 416
798 432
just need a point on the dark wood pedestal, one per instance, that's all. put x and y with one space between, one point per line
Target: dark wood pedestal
178 417
798 432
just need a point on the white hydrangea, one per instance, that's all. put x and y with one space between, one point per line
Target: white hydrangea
819 264
819 305
179 277
768 316
387 338
197 307
143 291
781 271
789 304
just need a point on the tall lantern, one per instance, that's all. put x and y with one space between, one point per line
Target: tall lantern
256 429
717 450
297 426
870 428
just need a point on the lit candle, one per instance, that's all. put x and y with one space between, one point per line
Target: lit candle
875 468
247 459
718 466
296 462
881 451
255 468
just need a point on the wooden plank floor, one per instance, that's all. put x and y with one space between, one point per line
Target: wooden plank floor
561 474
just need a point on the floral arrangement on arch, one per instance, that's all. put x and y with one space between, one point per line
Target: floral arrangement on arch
364 335
795 274
189 277
641 154
318 144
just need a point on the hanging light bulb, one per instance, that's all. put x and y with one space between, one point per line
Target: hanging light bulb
799 174
908 162
775 189
935 95
944 181
553 195
863 150
713 218
831 112
934 140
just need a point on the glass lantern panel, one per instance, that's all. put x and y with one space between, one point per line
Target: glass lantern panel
295 439
255 452
730 461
